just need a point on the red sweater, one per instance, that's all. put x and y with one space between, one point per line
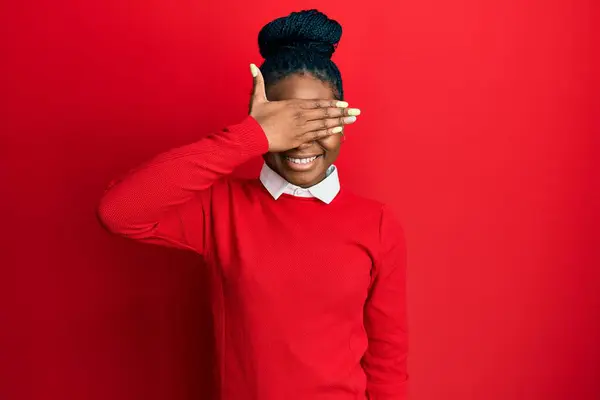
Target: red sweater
308 297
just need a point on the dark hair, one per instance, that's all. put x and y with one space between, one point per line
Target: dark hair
302 42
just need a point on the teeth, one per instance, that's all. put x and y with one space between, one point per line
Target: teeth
301 160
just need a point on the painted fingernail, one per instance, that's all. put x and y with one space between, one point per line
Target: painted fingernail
341 104
349 120
337 129
353 111
254 70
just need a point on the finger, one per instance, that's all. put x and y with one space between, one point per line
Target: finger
259 94
329 112
328 123
322 133
312 104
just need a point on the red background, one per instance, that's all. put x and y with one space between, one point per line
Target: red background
480 128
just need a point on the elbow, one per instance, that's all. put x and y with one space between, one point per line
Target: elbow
120 216
109 215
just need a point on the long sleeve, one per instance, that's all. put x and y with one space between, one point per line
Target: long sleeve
385 318
165 201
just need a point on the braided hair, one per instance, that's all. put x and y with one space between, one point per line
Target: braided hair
301 43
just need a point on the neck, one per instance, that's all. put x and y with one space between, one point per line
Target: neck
306 185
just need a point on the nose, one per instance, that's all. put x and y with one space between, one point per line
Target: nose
305 145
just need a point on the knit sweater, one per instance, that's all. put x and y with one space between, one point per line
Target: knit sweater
308 298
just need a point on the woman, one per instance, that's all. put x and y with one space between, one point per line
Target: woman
308 280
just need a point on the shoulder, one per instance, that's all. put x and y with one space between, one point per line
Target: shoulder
364 204
232 187
368 206
389 228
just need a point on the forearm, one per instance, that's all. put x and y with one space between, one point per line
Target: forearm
135 204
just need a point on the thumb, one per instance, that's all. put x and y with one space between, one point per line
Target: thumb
259 94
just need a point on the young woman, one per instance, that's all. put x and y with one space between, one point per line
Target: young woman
308 279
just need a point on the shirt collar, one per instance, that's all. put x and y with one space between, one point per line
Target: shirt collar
326 190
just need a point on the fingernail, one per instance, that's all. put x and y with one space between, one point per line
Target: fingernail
254 70
337 129
349 120
353 111
341 104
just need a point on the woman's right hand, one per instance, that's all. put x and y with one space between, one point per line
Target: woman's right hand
290 123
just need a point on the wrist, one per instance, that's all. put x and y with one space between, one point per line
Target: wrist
251 136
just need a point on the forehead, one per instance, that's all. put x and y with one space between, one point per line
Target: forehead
299 86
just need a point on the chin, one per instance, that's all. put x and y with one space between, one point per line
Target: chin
303 179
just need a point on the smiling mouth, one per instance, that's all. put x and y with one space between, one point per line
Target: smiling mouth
301 163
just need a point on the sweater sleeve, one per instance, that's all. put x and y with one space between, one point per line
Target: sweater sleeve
166 200
385 317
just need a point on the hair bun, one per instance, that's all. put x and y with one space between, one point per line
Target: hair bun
309 30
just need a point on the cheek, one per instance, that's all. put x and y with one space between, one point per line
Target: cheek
331 144
271 159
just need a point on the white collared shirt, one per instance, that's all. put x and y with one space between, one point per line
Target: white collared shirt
326 190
